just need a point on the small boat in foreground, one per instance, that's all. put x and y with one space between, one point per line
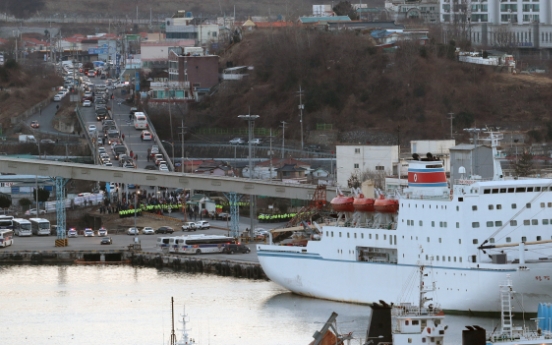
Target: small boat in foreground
508 334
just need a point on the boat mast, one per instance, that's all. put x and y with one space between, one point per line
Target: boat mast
173 335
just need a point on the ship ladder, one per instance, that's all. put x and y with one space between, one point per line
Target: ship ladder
506 307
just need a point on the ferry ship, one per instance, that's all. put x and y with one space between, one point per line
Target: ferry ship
470 233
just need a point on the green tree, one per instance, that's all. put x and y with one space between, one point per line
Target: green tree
43 194
25 203
524 165
5 201
344 8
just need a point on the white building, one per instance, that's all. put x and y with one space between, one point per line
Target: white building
428 10
354 159
438 148
500 23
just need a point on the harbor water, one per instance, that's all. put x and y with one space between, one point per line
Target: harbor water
50 305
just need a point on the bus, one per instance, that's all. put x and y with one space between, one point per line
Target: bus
22 227
198 244
140 120
6 237
40 226
163 243
6 222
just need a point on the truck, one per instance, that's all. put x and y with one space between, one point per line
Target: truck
25 139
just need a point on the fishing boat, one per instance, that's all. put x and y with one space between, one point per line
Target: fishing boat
509 333
470 231
395 324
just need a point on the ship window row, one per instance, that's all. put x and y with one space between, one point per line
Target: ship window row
440 240
514 206
410 222
517 190
513 222
509 239
443 258
443 207
354 235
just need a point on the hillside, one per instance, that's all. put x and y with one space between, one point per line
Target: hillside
361 90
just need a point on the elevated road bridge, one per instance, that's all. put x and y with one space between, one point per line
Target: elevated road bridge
157 178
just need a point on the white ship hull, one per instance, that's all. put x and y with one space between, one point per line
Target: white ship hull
471 290
470 238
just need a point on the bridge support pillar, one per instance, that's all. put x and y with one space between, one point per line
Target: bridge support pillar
233 199
61 240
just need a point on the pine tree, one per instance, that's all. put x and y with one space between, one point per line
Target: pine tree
524 166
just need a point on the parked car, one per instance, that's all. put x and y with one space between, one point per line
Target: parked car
106 240
202 224
224 216
102 231
91 128
57 98
87 103
189 226
148 231
164 230
235 248
133 231
237 141
32 212
163 168
88 232
255 141
35 124
47 141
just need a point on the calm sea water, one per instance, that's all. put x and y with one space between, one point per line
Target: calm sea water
49 305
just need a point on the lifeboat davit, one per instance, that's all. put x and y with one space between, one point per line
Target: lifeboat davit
384 205
362 204
342 204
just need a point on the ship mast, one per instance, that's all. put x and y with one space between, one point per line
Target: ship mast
173 335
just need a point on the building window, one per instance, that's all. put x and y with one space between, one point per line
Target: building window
526 222
355 166
474 208
491 207
513 222
523 239
514 206
357 150
499 207
490 224
475 224
475 241
380 168
528 205
498 223
534 222
508 239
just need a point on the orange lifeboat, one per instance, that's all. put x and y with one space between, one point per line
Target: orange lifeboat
362 204
384 205
342 204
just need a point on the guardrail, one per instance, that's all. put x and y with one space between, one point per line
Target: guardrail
159 143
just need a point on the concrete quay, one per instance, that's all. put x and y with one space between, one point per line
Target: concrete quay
88 250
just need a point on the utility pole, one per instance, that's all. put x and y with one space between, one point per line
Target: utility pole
451 117
284 123
183 165
251 122
270 153
301 107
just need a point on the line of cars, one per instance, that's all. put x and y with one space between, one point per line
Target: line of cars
147 230
240 141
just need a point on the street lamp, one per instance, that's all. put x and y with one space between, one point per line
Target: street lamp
284 123
250 121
